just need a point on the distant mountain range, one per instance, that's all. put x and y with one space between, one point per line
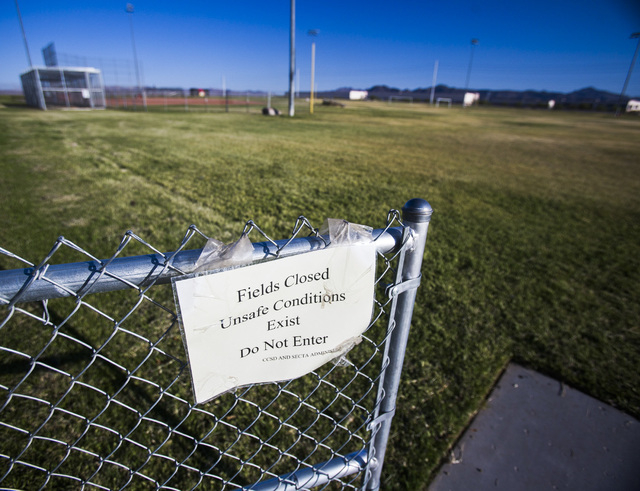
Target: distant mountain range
587 98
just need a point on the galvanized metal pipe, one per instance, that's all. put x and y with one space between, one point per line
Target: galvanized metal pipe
317 475
416 215
64 280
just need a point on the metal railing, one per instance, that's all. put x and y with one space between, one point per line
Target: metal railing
95 389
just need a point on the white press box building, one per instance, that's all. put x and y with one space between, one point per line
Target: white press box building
77 87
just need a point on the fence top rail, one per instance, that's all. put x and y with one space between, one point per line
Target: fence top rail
48 281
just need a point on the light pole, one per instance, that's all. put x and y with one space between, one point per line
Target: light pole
433 83
24 35
633 62
292 58
474 43
313 33
129 10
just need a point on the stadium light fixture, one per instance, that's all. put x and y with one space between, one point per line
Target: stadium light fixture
635 35
474 43
313 33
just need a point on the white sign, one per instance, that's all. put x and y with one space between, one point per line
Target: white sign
276 320
358 95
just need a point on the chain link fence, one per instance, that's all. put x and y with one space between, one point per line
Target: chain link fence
179 100
95 390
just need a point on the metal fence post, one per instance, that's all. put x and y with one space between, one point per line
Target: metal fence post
416 214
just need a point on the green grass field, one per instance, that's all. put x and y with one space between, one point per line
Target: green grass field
533 252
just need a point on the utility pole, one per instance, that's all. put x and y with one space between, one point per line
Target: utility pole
633 62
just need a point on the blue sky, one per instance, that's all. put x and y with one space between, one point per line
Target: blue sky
552 45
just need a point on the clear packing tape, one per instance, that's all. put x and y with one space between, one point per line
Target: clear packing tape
342 232
218 255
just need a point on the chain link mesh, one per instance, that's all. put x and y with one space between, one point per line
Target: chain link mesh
95 392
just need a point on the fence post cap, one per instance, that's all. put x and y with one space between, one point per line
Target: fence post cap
417 210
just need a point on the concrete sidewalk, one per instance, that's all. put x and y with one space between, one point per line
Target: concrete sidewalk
537 434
